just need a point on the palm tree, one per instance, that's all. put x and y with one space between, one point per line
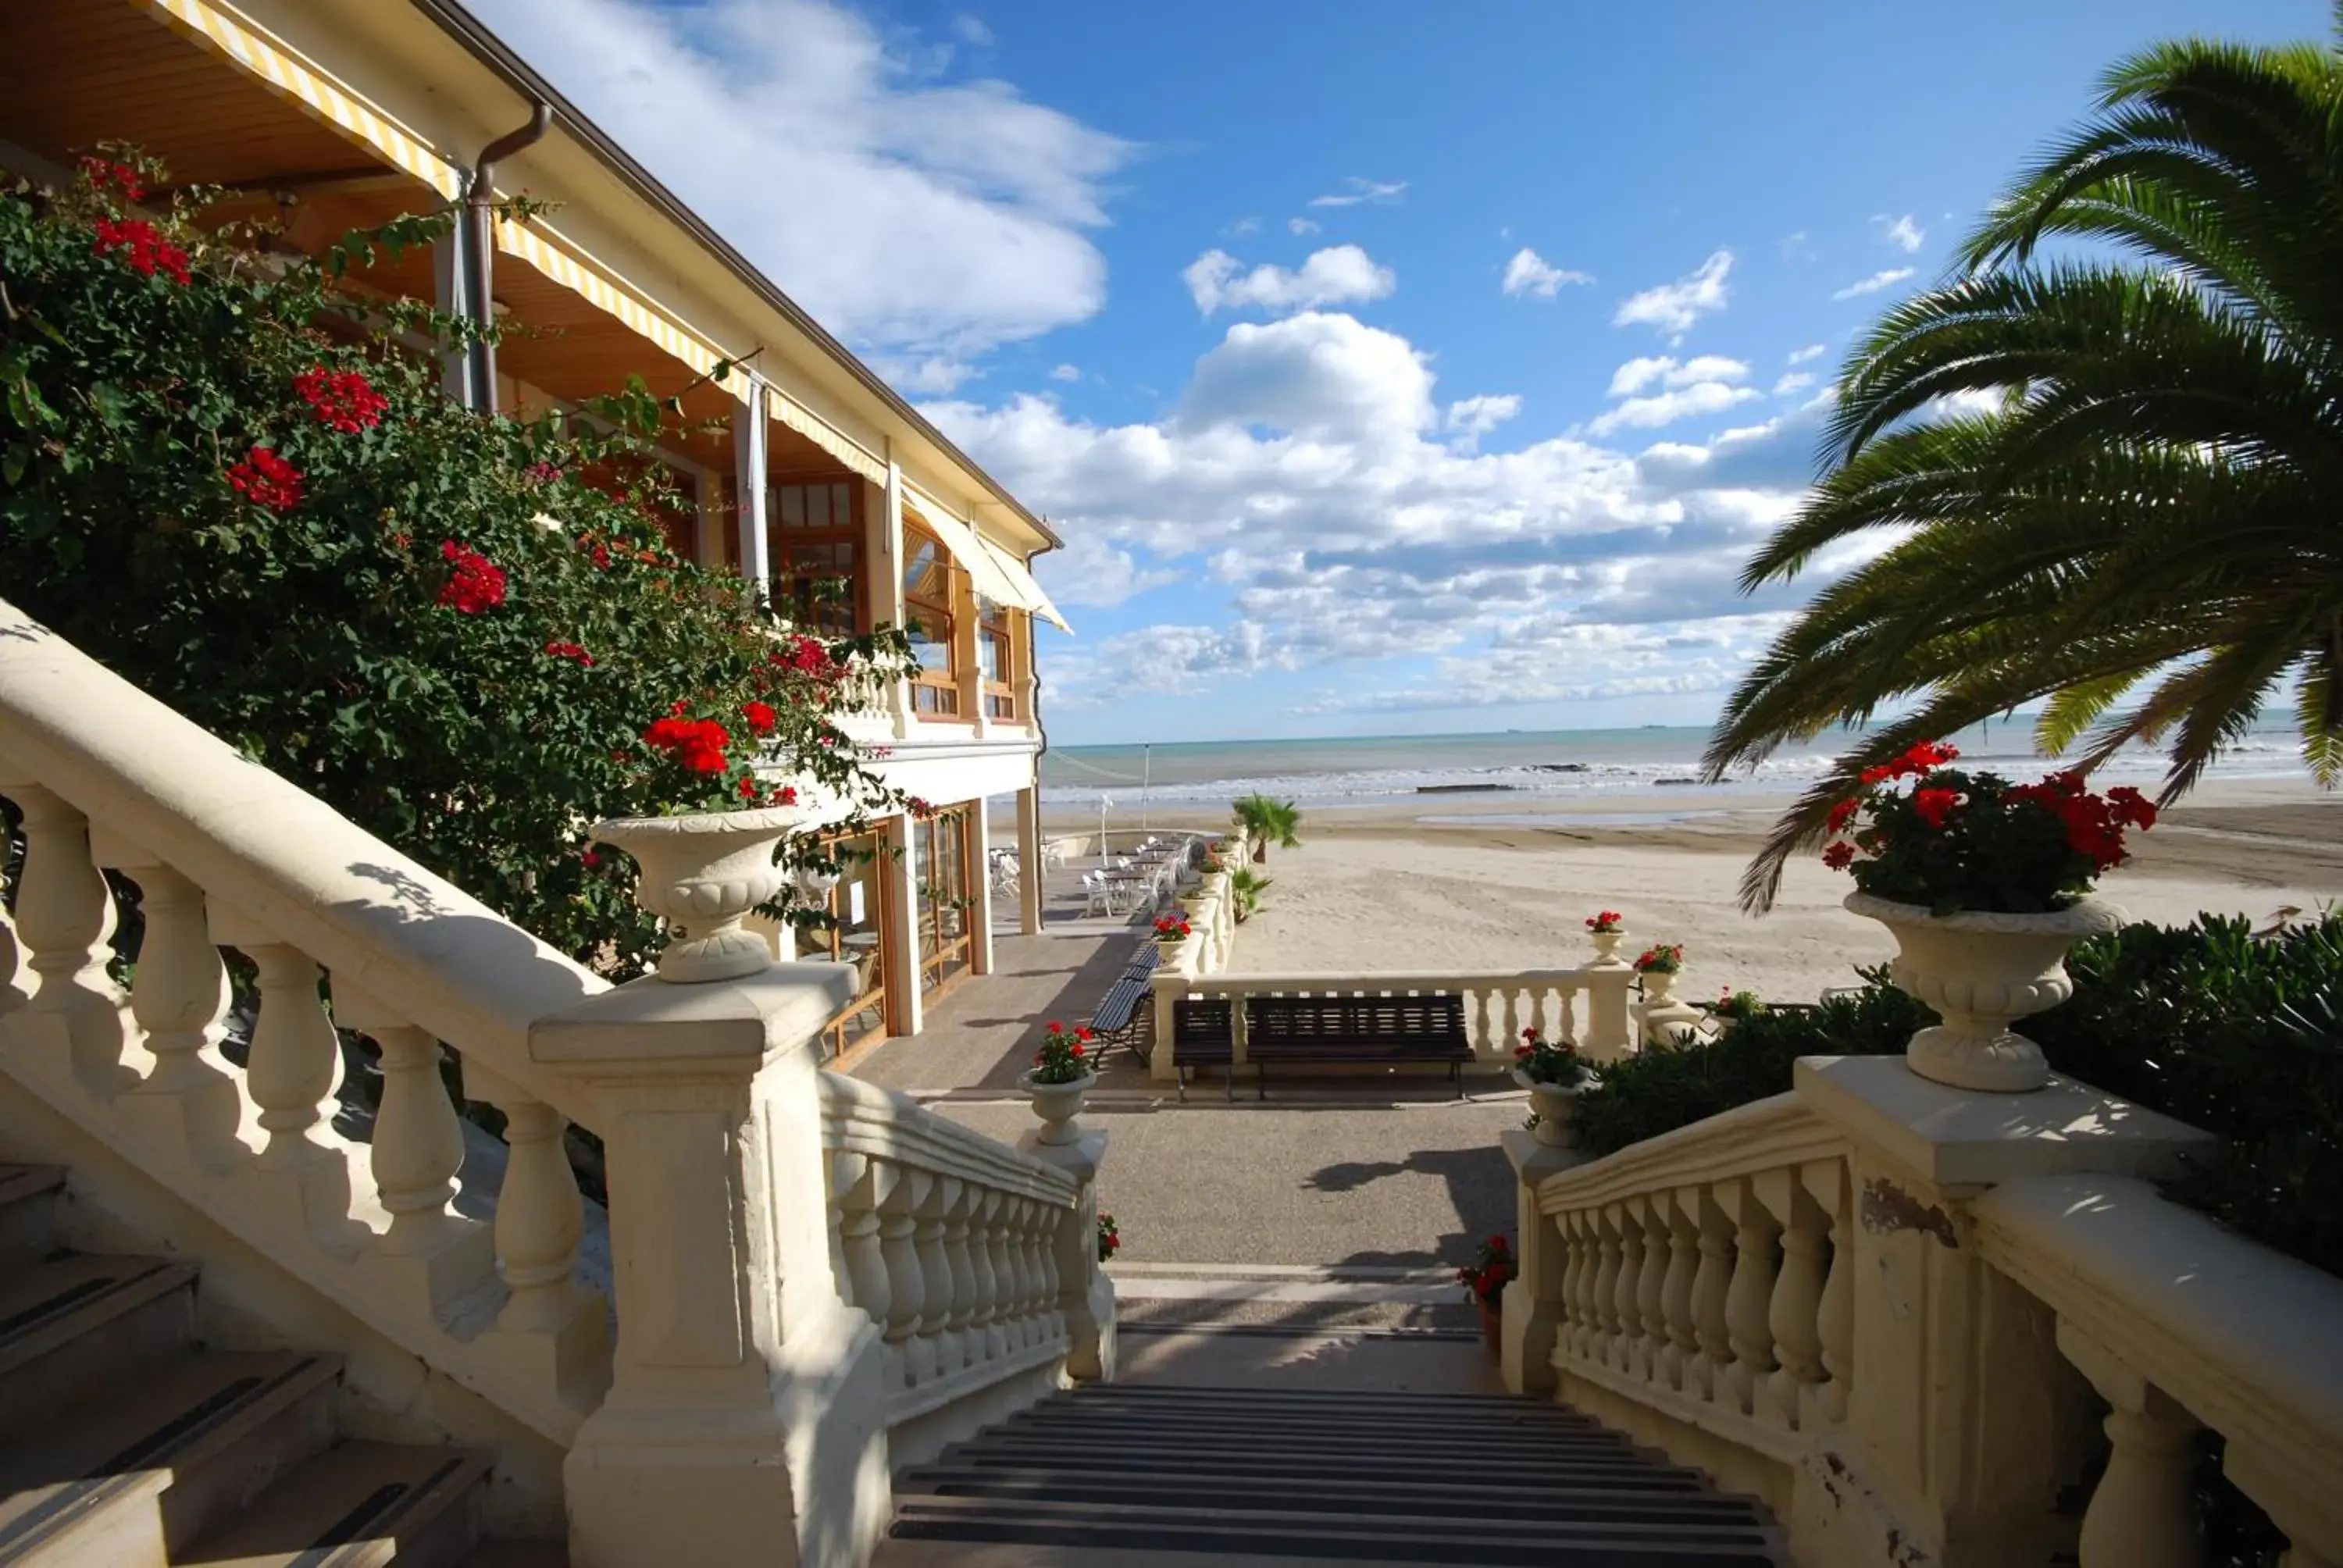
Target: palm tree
2115 482
1269 821
1246 886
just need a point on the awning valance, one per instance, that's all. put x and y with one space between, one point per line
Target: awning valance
557 263
288 76
1027 594
785 410
959 541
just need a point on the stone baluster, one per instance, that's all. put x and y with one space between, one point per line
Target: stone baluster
1477 998
1048 1219
860 1183
966 1304
1681 1210
1034 1264
1626 1350
1586 1225
1009 1309
189 1099
1750 1297
1711 1291
991 1324
1565 1023
419 1140
927 1240
295 1063
906 1276
1513 1034
72 1019
1826 1182
1573 1280
539 1218
1607 1335
1792 1316
2143 1512
1651 1212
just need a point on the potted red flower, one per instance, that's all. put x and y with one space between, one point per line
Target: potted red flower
1554 1073
1658 966
1985 884
1484 1281
1606 930
1171 930
1060 1079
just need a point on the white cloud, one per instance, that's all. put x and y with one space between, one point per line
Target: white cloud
1243 226
1300 226
1066 373
1530 272
1792 381
1311 476
1338 274
1811 351
1662 370
1797 246
953 215
1092 571
1357 190
1901 232
1470 418
1887 278
1668 408
1673 307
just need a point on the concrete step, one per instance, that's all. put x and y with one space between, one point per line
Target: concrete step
1204 1528
1297 1398
28 1196
498 1553
73 1323
357 1505
189 1442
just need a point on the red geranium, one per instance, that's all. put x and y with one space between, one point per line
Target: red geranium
697 743
150 252
1605 921
475 584
761 717
103 175
343 400
1932 806
574 652
266 479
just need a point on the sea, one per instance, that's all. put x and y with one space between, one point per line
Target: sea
1543 769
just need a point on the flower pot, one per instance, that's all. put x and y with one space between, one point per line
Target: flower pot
1057 1104
1606 948
1982 972
815 885
1558 1110
701 874
1659 988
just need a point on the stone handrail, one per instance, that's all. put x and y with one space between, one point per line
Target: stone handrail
977 1263
2179 1324
226 853
1499 1005
1702 1276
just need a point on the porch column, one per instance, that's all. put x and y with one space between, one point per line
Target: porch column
900 944
748 469
707 541
888 592
979 849
966 666
448 298
1029 859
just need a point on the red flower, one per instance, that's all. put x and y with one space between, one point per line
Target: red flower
1055 1026
267 480
602 557
577 655
1082 1031
1843 813
2132 808
1871 776
1496 1244
808 656
1933 806
787 795
697 743
592 860
1839 855
749 788
1529 1033
121 177
1076 1048
342 400
149 251
761 717
915 806
542 473
475 584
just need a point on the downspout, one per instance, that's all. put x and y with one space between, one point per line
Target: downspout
479 248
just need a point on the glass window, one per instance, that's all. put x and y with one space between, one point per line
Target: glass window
926 601
852 930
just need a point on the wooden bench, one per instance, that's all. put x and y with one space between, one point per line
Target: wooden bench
1203 1034
1375 1030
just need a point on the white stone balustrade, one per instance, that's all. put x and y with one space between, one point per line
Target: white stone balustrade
1888 1308
1497 1005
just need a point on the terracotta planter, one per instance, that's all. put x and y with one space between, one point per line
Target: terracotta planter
1058 1104
701 874
1558 1110
1606 948
1982 972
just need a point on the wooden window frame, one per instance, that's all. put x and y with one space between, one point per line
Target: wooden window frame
936 693
781 536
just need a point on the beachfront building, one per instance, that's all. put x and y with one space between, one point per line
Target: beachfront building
809 474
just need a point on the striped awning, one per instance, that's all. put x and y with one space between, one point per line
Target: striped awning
1028 593
559 264
784 410
287 76
959 542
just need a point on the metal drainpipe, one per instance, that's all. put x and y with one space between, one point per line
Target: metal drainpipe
479 246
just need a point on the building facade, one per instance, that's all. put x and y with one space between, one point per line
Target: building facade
806 472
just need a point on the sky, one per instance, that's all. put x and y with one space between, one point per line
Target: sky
1387 368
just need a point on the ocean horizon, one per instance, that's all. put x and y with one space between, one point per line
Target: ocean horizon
1379 769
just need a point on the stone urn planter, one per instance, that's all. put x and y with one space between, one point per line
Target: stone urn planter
1982 972
1058 1104
701 874
1557 1106
1660 988
1606 948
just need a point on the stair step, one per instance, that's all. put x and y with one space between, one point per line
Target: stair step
357 1505
1494 1432
1627 1471
1428 1540
1248 1492
501 1553
27 1208
75 1323
1201 1393
191 1443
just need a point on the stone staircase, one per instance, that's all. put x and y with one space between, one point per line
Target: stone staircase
1132 1475
128 1443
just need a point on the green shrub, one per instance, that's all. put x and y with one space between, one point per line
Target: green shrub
234 482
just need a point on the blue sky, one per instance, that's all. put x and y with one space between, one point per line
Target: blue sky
1389 368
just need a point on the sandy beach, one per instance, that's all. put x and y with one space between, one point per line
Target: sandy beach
1442 884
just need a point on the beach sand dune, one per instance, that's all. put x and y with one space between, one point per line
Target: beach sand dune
1508 886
